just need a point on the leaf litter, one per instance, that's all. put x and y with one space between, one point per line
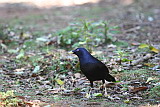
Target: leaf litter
76 85
41 76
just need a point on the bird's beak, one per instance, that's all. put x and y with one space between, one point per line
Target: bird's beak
70 52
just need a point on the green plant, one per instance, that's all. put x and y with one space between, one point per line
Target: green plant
4 39
121 54
8 99
86 34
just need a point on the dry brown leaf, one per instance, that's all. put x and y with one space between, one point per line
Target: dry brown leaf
138 89
93 103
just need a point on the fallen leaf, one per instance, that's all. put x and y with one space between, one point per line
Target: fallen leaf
112 46
127 101
135 43
149 64
36 69
18 70
144 46
156 67
93 103
42 39
20 97
153 49
82 42
21 54
77 75
13 50
125 60
138 89
3 46
149 79
60 82
110 85
138 98
97 94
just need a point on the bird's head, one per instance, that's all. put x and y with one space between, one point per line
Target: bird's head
80 52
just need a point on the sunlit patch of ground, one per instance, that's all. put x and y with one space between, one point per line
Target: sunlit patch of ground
49 3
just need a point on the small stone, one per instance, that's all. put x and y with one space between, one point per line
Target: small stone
77 75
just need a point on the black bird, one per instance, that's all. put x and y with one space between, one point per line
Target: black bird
92 68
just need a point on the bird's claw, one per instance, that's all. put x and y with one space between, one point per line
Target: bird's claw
88 95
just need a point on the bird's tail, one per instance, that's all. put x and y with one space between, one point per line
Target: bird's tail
110 78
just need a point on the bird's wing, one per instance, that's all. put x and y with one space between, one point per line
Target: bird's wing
94 63
101 67
98 67
95 71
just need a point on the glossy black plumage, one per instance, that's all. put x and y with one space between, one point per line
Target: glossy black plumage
92 68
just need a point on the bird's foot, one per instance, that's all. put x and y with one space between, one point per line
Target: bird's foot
102 87
89 94
104 90
105 93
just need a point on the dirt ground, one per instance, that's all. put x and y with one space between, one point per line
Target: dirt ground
139 21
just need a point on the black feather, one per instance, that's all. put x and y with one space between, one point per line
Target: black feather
92 68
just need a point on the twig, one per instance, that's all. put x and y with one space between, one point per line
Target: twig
135 62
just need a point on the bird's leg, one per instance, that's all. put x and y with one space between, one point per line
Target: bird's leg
91 84
105 91
102 87
89 94
103 81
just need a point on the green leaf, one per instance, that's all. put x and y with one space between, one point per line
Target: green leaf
144 46
97 94
12 50
120 43
117 81
153 49
149 79
125 60
21 54
36 69
60 82
3 46
69 41
127 101
81 43
77 89
76 45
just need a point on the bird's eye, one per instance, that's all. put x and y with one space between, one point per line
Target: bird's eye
77 50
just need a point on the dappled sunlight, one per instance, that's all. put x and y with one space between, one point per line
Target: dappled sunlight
50 3
127 2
